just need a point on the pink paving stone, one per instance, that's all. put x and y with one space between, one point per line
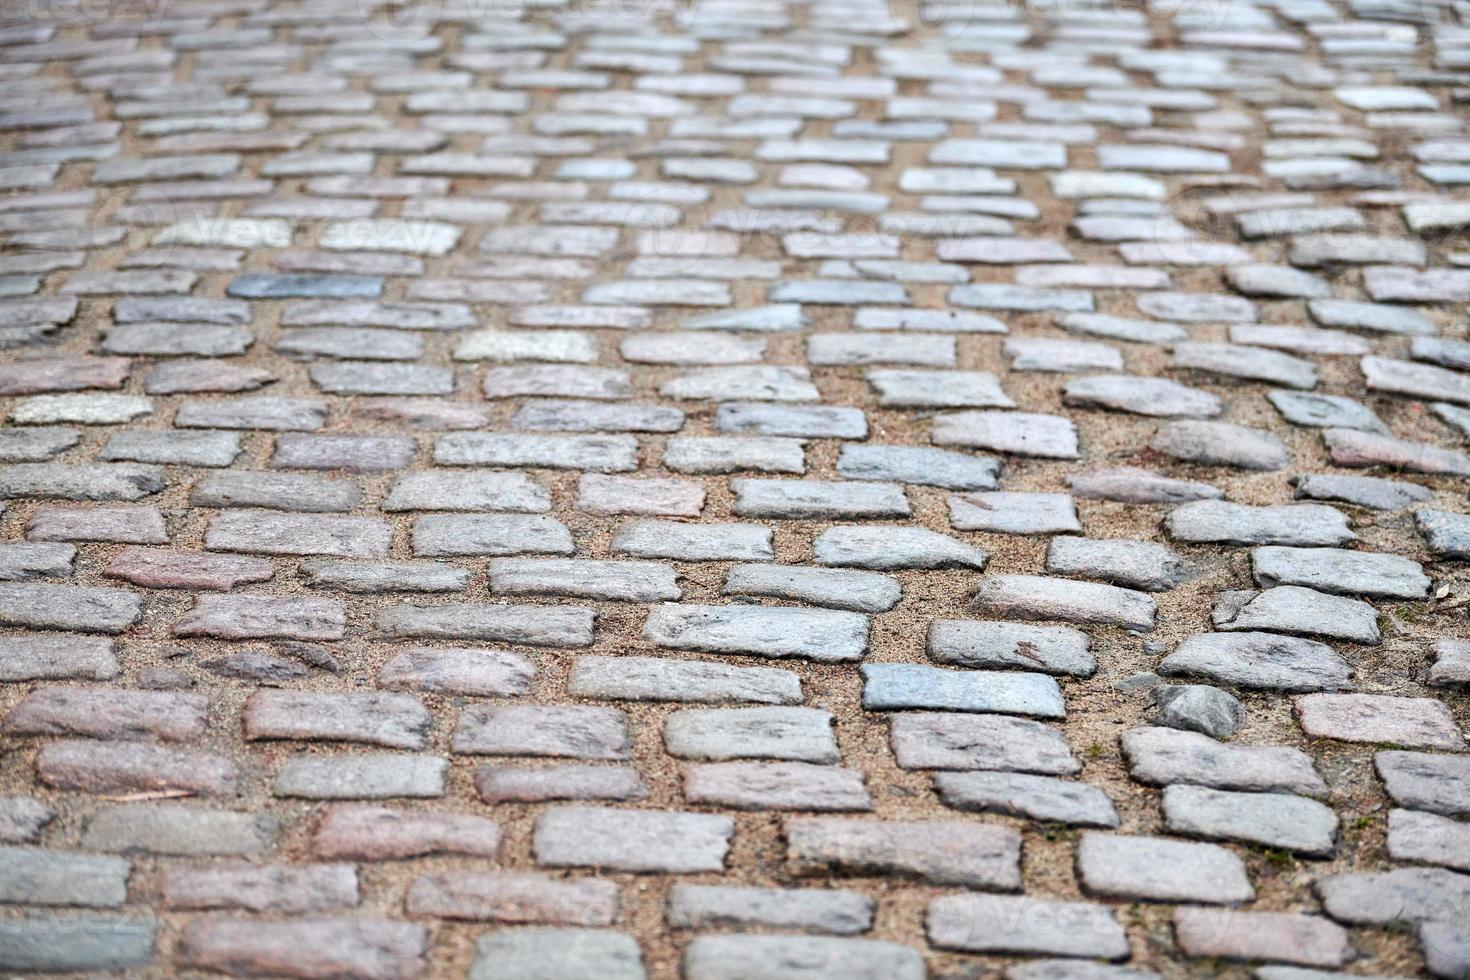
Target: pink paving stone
371 833
1380 719
164 568
1273 937
31 375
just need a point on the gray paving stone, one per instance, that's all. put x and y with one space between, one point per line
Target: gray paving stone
631 840
1013 924
918 465
894 548
1160 870
178 829
451 535
974 643
834 588
1401 895
532 625
827 910
1304 612
1290 823
1290 937
1038 597
1020 433
1003 512
37 876
23 560
1135 486
693 542
532 953
1221 444
276 491
817 500
375 776
50 943
891 687
1035 797
1163 756
941 852
1199 708
821 635
1141 396
660 679
1340 572
1260 661
1365 491
1136 564
749 956
776 786
797 734
1429 839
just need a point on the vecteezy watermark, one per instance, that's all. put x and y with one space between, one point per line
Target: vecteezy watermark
92 11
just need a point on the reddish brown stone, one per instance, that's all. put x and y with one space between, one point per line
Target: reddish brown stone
30 375
510 897
127 767
109 712
164 568
374 833
317 949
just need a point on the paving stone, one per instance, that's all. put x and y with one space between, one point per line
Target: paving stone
828 910
121 768
1451 663
272 888
1135 486
1285 937
568 781
1429 839
938 389
1291 609
1340 572
178 829
1050 649
536 730
982 856
1347 447
1003 512
1142 396
535 953
1413 722
956 741
451 535
1160 870
22 819
631 840
1221 444
1401 895
103 481
745 956
1163 756
108 713
371 833
1038 597
776 786
361 777
1365 491
914 464
51 943
890 687
811 499
381 949
393 720
47 656
39 876
1020 795
821 635
838 589
533 625
1276 820
893 548
517 898
247 617
1020 433
1199 708
1012 924
659 679
1136 564
275 491
798 734
474 491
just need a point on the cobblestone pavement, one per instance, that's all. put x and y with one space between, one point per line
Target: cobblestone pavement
746 489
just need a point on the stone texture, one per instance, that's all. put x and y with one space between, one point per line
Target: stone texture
1160 870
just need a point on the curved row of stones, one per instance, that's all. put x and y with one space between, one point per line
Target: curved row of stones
734 490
